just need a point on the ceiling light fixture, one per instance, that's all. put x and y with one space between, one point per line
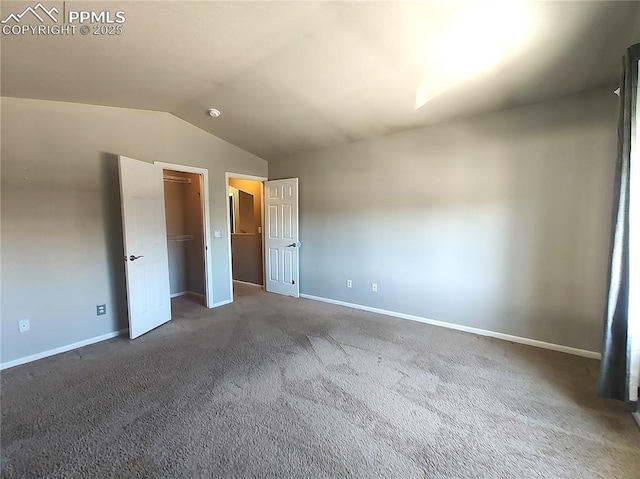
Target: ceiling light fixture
213 113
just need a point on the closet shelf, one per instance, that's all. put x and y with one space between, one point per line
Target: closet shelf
176 179
179 238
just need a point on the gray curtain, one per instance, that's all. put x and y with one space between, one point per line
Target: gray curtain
618 375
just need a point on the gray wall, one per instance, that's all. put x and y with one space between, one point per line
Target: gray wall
61 233
498 222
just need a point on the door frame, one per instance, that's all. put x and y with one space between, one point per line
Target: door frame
240 176
206 222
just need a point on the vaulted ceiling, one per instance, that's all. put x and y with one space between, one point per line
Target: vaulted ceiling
295 76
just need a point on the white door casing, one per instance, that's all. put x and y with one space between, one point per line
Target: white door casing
228 175
145 245
281 237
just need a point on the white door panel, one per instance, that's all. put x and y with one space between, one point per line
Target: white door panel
281 238
145 245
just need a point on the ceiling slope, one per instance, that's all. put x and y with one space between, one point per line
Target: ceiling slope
290 77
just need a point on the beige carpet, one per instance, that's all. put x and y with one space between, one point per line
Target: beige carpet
277 387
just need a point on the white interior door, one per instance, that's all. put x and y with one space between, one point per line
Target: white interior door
145 245
281 237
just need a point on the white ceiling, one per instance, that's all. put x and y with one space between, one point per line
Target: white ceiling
295 76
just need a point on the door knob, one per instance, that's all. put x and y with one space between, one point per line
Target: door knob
293 245
133 258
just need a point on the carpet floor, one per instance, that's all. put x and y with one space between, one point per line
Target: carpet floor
271 386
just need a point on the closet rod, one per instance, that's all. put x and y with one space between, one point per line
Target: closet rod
179 238
176 179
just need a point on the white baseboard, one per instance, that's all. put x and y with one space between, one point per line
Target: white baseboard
184 293
467 329
247 283
636 416
221 303
62 349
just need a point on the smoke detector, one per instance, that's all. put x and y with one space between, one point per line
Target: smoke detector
213 113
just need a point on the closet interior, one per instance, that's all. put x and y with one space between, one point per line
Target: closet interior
185 234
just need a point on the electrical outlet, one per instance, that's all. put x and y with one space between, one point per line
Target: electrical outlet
374 287
24 325
101 309
349 283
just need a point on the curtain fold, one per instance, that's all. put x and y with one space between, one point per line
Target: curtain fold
620 366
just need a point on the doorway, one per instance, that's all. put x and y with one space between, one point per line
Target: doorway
245 220
185 234
187 224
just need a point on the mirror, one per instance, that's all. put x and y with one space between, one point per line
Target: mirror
241 212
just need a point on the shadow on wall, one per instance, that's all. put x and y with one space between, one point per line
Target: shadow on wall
112 214
558 237
499 223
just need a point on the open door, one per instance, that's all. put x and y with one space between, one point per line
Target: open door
281 237
145 245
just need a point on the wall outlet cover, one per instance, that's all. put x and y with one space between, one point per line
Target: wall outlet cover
24 325
101 309
349 283
374 287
